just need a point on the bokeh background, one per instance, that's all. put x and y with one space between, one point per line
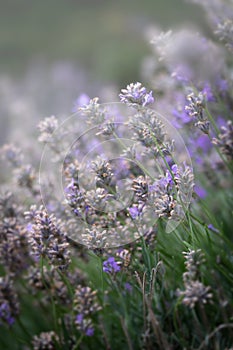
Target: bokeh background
53 50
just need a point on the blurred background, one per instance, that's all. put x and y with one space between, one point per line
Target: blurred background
52 51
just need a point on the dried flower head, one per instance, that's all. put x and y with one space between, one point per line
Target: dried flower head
195 292
193 260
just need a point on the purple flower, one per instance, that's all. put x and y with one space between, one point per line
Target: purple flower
136 95
29 227
134 212
174 171
222 84
200 191
212 228
203 142
89 332
181 117
207 91
5 313
79 318
128 287
81 101
221 122
110 265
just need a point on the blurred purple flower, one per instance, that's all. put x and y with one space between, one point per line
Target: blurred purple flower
81 101
207 91
128 287
203 142
79 318
200 191
212 228
221 122
222 85
5 313
134 212
110 265
89 332
181 117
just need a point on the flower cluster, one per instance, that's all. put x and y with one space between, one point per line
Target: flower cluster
136 95
196 109
9 305
149 130
45 341
195 291
225 32
86 306
225 140
93 111
48 239
47 128
128 180
110 265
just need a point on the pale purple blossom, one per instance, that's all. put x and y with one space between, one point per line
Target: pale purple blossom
110 265
136 95
81 101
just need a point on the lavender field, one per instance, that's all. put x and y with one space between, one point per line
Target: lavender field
116 156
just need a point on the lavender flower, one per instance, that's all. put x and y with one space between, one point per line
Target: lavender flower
225 33
81 101
26 176
195 292
45 341
136 95
225 140
9 305
111 266
128 287
149 130
200 191
212 228
170 195
48 239
47 128
193 260
134 212
86 306
14 247
95 237
94 112
196 109
12 154
140 187
103 171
